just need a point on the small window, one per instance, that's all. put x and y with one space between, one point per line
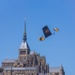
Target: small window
23 52
56 73
6 70
18 63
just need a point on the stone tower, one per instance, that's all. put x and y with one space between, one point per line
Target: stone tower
24 49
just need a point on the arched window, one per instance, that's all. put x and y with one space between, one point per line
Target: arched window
31 73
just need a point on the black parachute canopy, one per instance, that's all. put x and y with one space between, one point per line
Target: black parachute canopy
46 31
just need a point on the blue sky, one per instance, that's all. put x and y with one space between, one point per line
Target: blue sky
59 49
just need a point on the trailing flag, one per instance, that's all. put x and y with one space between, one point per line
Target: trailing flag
46 31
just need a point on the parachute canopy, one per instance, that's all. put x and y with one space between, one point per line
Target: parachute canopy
46 31
41 38
56 29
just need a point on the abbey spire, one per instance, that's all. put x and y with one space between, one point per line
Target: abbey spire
24 47
24 35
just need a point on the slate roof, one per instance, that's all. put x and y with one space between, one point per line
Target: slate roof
9 61
54 69
20 68
24 45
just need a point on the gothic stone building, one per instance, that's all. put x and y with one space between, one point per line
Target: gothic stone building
28 63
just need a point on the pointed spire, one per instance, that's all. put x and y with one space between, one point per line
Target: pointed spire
24 35
24 45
